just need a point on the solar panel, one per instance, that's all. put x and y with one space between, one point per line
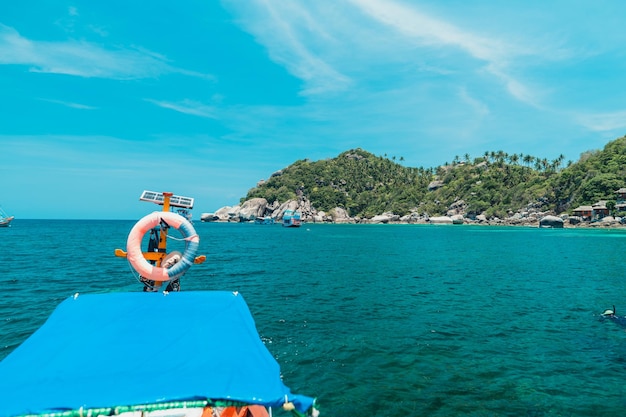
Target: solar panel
175 200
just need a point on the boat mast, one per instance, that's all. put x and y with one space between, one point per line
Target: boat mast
163 235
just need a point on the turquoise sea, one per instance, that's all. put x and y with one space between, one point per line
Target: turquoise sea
379 320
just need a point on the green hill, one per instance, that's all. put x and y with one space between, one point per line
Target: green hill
494 184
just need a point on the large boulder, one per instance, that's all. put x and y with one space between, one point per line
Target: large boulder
251 209
320 217
574 220
458 207
208 217
440 220
481 218
224 214
412 217
231 214
551 222
287 205
340 215
381 218
457 219
435 185
385 218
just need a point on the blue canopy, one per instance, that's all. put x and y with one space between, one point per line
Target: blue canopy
124 349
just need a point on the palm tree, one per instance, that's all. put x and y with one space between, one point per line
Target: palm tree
528 159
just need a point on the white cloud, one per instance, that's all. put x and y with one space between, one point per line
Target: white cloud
427 31
83 59
287 30
430 31
337 47
478 106
193 108
70 104
601 122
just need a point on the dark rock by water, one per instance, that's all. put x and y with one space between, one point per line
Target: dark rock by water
551 222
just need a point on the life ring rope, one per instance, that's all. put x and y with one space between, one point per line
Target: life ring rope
179 239
135 254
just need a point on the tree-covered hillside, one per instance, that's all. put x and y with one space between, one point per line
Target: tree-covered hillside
493 184
356 180
596 176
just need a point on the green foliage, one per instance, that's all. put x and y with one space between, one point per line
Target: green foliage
596 176
494 184
356 180
492 188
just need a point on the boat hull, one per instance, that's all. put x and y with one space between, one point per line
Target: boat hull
6 222
116 333
291 218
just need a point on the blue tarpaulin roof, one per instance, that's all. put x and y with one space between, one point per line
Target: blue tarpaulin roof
121 349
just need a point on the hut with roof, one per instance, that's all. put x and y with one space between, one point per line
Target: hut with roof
585 212
599 210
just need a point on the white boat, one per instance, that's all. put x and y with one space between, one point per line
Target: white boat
148 354
5 219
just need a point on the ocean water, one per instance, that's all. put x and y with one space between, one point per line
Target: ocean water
379 320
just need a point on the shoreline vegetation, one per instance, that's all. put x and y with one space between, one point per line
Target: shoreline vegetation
494 189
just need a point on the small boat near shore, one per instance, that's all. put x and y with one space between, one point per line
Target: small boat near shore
151 353
264 220
5 219
291 218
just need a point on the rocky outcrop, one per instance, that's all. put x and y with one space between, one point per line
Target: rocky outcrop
574 220
609 220
440 220
280 210
208 217
551 222
340 215
457 219
413 218
224 214
481 218
533 215
251 209
457 208
383 218
435 185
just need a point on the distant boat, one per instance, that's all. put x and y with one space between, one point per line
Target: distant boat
291 218
264 220
5 219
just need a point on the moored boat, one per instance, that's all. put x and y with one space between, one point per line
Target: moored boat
5 219
264 220
142 354
291 218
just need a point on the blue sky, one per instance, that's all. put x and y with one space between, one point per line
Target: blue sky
101 100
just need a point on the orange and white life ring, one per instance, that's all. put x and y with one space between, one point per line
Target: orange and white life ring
135 255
